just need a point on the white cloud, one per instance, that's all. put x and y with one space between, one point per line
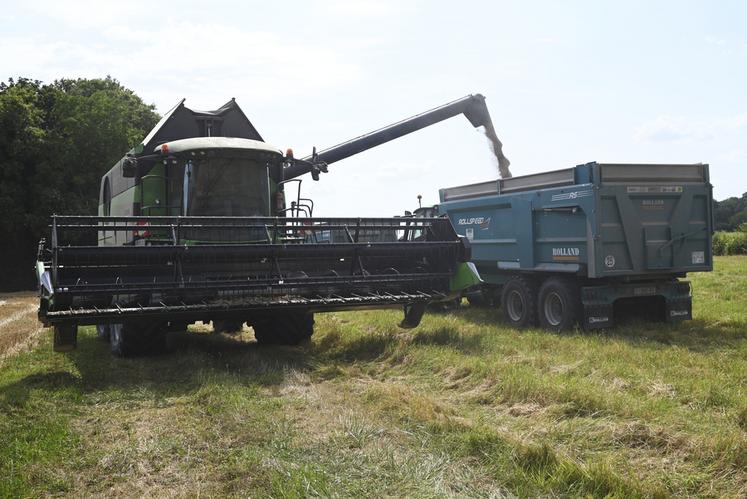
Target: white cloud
548 40
363 8
199 60
665 128
712 40
88 13
683 129
733 156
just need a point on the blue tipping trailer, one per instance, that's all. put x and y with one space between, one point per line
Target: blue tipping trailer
566 246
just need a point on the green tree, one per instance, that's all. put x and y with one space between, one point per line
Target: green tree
730 213
56 141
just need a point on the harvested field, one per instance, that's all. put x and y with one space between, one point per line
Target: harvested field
461 406
19 327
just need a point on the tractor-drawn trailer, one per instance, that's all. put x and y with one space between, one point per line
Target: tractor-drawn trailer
567 246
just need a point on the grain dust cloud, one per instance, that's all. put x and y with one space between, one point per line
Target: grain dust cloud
497 147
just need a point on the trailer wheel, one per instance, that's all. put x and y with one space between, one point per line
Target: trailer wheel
559 303
287 328
227 326
518 302
103 330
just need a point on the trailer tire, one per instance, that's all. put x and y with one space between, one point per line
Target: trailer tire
286 328
103 331
559 304
518 302
227 326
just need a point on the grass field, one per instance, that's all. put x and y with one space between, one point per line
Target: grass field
461 406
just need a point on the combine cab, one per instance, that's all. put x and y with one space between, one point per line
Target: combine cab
194 226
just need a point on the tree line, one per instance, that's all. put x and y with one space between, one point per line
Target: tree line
730 213
56 142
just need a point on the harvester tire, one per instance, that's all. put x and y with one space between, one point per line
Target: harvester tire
103 331
65 337
286 328
227 326
479 299
132 339
559 304
519 302
445 306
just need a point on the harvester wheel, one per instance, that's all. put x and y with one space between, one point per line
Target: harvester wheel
227 326
130 339
518 302
177 327
479 299
65 337
103 330
559 304
286 328
123 339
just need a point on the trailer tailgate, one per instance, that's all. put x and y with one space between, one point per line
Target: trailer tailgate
653 218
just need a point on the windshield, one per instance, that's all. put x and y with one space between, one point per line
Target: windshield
226 186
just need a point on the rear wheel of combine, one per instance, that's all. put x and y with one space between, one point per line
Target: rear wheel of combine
286 328
558 305
227 326
518 302
103 331
131 339
479 298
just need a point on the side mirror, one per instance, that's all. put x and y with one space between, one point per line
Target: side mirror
129 167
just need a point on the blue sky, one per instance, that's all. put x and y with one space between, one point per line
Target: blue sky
566 82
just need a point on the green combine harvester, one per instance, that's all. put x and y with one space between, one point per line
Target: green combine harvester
204 221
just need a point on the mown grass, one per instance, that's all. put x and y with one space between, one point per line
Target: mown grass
461 406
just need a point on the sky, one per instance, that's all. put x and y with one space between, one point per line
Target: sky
566 82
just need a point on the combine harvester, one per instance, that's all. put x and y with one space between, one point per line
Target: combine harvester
194 225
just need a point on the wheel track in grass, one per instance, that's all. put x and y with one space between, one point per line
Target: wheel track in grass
18 315
19 329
